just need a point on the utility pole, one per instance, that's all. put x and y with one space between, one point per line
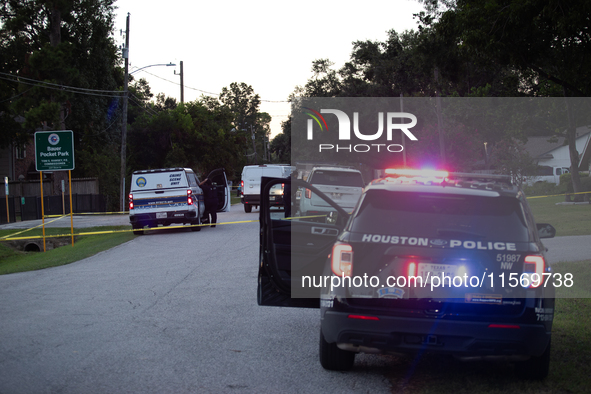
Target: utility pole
182 83
125 53
402 133
439 119
254 147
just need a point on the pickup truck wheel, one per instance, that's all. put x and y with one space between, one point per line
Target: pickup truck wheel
137 230
247 208
333 358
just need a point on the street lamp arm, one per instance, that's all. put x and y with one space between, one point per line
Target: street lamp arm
152 65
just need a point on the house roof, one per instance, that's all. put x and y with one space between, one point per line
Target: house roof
540 148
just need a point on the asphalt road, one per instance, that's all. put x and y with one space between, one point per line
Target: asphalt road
173 312
168 312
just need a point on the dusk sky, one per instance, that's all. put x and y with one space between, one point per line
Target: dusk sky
266 44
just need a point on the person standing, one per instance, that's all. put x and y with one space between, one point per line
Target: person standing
211 201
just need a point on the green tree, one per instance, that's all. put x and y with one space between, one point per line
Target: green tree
244 103
547 42
195 134
59 65
281 144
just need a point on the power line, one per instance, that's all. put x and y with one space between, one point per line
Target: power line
62 88
209 93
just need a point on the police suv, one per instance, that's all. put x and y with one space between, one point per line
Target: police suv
427 262
172 195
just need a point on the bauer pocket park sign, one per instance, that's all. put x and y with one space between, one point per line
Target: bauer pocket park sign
54 150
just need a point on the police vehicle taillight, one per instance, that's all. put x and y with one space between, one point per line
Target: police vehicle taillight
411 269
534 265
241 187
130 201
189 197
342 259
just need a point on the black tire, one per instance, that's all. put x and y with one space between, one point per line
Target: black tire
536 368
333 358
247 208
137 230
197 222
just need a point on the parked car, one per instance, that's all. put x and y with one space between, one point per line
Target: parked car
383 287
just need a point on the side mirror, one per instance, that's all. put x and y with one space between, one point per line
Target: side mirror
546 230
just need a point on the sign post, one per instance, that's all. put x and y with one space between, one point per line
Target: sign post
6 194
54 151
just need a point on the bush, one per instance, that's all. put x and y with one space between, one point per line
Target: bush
544 189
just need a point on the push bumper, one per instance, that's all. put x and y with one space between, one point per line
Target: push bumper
411 335
153 219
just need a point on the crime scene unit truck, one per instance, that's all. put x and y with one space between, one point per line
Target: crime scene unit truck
163 197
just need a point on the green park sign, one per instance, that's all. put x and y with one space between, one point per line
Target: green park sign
54 150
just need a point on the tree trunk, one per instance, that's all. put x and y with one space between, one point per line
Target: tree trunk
571 135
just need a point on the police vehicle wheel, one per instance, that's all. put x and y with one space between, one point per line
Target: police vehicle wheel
247 208
333 358
536 368
196 228
138 230
198 221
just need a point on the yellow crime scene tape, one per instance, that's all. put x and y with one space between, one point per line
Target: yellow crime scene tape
558 195
11 237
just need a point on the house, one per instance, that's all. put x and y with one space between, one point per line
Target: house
556 154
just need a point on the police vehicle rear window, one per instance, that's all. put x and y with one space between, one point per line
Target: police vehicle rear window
337 178
441 216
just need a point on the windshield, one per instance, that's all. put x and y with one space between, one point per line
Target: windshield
336 178
441 216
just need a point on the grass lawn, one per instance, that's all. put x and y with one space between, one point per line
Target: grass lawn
567 219
570 364
12 261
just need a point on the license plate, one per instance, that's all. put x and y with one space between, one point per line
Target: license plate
429 270
161 215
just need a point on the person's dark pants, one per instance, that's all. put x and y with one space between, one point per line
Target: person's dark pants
210 212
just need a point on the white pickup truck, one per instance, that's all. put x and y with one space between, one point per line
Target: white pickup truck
548 174
343 185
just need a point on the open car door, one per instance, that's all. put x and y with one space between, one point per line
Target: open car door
294 246
220 181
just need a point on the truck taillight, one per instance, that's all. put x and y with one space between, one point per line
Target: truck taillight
534 265
308 193
342 259
241 187
189 197
130 201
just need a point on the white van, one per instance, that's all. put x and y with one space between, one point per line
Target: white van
250 184
172 195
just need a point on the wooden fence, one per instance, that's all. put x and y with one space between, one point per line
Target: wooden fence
32 188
